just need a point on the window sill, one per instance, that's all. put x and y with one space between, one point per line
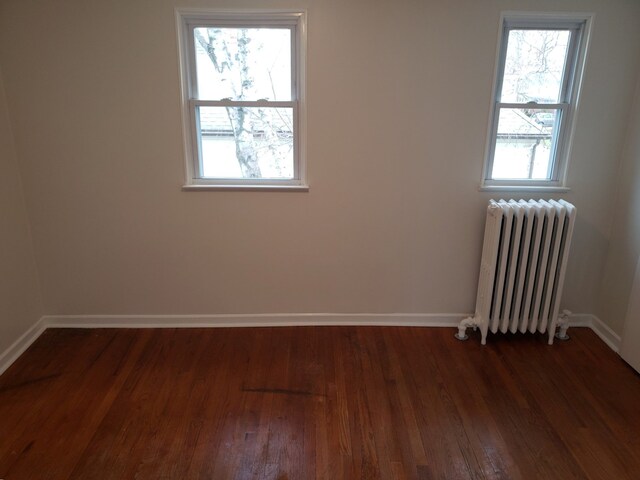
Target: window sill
247 188
523 188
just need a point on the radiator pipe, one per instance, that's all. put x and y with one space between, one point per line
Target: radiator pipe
462 328
563 325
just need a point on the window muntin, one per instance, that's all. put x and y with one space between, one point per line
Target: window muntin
535 97
242 98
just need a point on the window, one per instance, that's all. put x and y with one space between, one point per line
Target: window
242 97
538 73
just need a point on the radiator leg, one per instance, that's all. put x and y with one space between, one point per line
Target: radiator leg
563 325
462 328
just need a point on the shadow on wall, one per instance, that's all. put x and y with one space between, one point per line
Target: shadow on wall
589 245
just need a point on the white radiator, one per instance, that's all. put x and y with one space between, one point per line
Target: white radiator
524 260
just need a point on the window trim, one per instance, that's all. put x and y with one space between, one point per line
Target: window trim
186 19
567 107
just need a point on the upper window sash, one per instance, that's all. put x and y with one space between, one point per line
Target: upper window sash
288 21
568 76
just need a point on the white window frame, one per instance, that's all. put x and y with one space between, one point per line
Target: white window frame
186 20
580 24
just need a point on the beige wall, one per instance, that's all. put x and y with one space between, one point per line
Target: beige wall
398 102
20 305
624 249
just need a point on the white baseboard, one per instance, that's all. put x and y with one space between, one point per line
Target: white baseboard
18 347
254 320
581 320
608 336
267 320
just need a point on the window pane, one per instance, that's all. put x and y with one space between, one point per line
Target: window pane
243 63
246 142
534 66
524 143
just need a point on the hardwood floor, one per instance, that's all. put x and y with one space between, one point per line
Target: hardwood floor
317 402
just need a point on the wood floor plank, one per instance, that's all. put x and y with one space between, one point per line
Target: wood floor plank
470 396
317 402
85 391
